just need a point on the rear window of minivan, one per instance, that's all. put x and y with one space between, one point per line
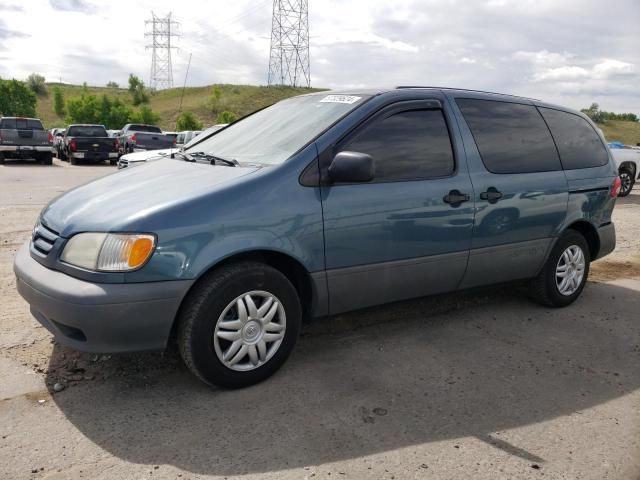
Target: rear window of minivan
578 143
511 137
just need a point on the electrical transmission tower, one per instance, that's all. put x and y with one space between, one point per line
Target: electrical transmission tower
162 31
289 57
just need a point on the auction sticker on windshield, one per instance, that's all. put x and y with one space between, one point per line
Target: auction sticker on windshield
349 99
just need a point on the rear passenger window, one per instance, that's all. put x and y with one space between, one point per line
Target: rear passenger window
406 146
578 143
511 137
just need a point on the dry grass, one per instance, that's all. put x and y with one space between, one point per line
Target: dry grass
240 99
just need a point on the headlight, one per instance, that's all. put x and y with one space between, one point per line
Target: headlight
108 252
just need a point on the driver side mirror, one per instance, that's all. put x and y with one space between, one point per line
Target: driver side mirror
352 167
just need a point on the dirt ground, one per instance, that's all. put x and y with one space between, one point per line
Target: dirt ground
481 384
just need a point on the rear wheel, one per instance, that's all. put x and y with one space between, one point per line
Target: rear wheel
565 273
239 325
72 159
627 181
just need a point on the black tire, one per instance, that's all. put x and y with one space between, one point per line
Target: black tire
72 159
208 300
47 159
113 161
627 180
1 158
543 288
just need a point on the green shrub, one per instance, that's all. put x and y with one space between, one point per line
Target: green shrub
226 117
16 99
188 121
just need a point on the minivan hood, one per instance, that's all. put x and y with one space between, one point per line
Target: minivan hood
124 199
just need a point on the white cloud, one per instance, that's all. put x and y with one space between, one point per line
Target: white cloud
543 57
611 67
562 73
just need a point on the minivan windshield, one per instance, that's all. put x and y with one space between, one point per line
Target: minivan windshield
272 135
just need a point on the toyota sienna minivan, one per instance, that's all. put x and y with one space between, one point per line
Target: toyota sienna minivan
317 205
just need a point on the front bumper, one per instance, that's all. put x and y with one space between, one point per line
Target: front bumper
99 317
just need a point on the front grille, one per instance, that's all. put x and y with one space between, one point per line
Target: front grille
123 163
43 239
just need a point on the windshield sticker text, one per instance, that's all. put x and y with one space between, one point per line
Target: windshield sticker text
349 99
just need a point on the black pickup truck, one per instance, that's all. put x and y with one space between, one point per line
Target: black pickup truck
90 143
24 138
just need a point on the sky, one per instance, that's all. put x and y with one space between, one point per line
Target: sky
571 52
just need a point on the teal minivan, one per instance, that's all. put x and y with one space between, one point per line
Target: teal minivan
318 205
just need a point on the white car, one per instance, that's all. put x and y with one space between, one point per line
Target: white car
627 161
139 158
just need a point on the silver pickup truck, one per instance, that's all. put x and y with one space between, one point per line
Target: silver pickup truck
136 137
24 138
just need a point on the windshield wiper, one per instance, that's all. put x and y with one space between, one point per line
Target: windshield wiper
214 159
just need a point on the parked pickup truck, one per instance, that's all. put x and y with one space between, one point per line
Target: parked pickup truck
90 143
24 138
136 137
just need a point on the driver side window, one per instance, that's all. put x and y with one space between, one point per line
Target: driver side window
409 145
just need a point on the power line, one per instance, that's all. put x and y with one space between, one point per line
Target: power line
163 29
289 57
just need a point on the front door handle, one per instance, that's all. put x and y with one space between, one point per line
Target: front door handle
455 198
492 195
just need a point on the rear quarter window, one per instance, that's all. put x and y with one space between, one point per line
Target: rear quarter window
511 137
578 143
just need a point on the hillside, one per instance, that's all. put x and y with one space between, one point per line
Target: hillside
240 99
626 132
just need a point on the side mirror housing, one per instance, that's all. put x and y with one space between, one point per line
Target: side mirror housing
351 167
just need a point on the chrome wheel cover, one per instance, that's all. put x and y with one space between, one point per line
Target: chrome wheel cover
570 270
249 331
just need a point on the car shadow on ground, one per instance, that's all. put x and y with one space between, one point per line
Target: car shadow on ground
26 163
471 364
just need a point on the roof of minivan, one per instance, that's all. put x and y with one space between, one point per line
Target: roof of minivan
455 91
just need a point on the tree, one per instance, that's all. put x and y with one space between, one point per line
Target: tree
145 115
113 84
84 109
226 117
36 84
58 102
188 121
137 90
16 99
593 112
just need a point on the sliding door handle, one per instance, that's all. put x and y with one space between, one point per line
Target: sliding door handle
492 195
455 198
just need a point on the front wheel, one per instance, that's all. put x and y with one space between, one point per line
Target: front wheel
626 183
239 325
565 273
